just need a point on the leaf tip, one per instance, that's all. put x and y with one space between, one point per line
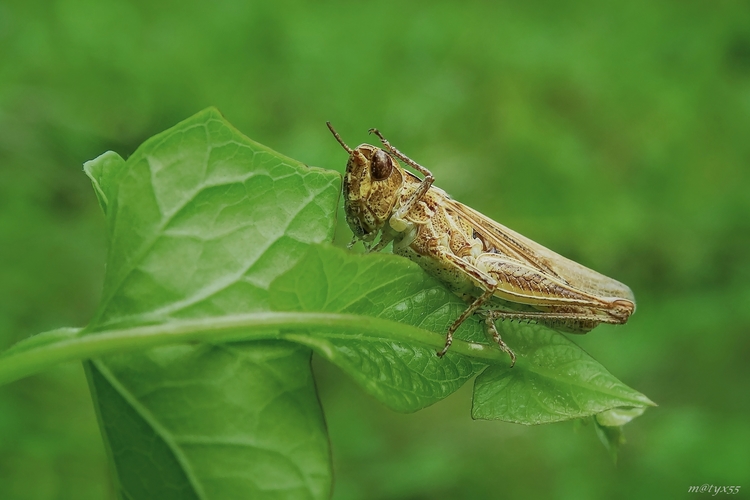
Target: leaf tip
101 170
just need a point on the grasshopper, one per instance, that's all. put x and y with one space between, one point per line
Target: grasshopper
476 257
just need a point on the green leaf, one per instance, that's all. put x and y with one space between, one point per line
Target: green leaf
228 421
201 220
102 172
618 417
553 379
609 427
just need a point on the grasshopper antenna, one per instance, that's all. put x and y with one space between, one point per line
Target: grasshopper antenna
338 138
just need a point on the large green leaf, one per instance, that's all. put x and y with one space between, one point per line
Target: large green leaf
214 238
201 220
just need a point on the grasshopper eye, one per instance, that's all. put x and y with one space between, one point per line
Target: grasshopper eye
381 166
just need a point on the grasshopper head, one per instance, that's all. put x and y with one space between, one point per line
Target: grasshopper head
372 184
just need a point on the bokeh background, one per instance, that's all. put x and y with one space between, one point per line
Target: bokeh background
616 134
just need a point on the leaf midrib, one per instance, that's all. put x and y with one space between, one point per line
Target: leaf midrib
239 327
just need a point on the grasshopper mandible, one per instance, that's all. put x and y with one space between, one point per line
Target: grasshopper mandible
473 255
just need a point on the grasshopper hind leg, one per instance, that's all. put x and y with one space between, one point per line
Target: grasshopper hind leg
491 330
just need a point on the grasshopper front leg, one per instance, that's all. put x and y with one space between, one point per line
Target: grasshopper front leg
423 187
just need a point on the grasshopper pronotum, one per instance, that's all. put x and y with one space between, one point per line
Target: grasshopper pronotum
473 255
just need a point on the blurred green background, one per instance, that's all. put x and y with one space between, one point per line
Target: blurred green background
617 135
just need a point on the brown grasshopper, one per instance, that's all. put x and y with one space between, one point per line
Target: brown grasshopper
472 254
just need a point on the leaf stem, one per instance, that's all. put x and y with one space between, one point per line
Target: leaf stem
46 349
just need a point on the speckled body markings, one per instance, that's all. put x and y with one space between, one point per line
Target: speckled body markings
475 256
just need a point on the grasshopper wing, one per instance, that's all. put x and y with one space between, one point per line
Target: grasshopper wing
502 240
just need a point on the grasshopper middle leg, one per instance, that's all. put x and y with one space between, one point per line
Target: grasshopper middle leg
468 312
489 321
489 285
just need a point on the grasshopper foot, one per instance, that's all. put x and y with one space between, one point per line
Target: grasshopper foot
448 343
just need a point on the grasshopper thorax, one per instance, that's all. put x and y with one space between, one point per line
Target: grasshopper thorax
372 184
